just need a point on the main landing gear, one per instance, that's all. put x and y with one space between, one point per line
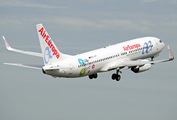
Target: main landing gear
93 76
116 76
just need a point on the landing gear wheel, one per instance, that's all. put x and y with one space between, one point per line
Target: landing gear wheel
118 77
114 76
95 75
91 76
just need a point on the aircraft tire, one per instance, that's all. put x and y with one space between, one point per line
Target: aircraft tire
114 76
95 75
118 77
91 76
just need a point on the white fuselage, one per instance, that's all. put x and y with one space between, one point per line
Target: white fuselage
94 61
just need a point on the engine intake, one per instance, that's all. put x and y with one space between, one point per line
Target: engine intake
143 68
43 71
135 69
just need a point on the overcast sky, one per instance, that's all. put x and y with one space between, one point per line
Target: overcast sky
77 26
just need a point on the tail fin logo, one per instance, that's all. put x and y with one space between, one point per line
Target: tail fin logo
47 54
49 43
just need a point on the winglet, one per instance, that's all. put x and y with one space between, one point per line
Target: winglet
171 57
6 43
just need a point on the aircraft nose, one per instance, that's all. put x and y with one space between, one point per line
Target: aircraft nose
162 45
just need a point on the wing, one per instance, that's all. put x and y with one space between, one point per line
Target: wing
122 64
21 51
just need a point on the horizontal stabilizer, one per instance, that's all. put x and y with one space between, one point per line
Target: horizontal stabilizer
25 65
53 67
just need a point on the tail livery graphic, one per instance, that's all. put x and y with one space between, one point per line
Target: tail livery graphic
49 50
48 40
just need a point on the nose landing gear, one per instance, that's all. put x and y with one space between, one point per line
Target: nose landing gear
152 59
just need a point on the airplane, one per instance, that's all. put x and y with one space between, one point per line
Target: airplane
131 54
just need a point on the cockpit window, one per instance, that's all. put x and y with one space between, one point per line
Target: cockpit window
160 41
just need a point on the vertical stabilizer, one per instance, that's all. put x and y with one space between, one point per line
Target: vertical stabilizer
50 52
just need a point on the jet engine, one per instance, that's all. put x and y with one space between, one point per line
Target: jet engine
145 67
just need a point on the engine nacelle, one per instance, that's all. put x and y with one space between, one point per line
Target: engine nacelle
143 68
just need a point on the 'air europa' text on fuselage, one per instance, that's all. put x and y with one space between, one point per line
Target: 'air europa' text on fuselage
130 47
49 43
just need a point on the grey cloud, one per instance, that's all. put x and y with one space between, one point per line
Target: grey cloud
17 3
148 1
